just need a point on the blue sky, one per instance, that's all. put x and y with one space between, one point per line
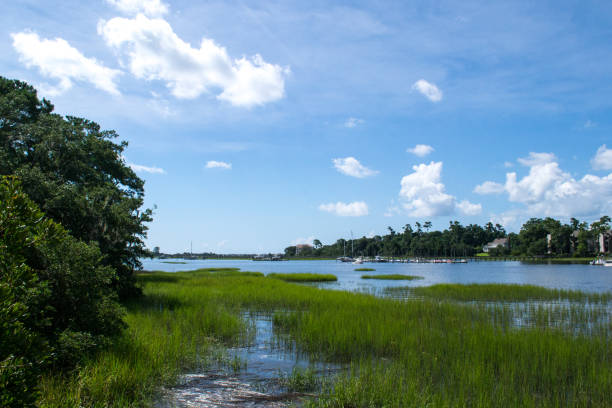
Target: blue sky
257 125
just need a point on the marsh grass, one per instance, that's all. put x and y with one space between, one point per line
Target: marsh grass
392 277
416 352
301 380
365 270
303 277
494 292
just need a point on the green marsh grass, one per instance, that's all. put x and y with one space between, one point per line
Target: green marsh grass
392 277
415 352
303 277
494 292
365 270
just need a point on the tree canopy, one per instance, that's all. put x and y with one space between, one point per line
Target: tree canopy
56 299
74 171
537 237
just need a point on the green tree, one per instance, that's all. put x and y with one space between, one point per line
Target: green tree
74 171
56 300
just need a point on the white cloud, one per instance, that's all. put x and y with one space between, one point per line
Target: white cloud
353 122
152 8
154 52
423 193
549 191
57 59
429 90
351 167
508 164
468 208
602 159
222 243
302 241
354 209
421 150
537 158
489 187
589 124
213 164
145 169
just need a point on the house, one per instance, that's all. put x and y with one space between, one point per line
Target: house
303 247
503 242
605 242
601 244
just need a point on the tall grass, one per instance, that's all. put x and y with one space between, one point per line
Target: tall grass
303 277
419 352
495 292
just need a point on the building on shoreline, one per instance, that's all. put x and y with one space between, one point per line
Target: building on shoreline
503 242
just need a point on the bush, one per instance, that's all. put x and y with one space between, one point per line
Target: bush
56 300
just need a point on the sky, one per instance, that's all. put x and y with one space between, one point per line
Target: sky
262 124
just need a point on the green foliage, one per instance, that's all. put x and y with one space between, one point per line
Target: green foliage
75 173
402 353
574 239
457 240
56 302
303 277
496 292
364 269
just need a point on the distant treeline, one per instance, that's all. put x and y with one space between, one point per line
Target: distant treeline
537 237
201 255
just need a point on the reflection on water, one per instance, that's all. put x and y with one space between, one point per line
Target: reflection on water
258 382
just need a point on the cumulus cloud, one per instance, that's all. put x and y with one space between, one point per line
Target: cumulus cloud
57 59
537 158
602 159
153 8
354 209
489 187
213 164
353 122
549 191
145 169
468 208
351 167
428 90
154 52
423 194
421 150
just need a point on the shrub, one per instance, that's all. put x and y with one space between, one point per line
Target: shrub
56 300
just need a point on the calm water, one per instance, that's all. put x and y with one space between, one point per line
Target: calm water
584 277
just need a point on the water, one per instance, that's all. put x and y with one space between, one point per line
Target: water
581 277
257 385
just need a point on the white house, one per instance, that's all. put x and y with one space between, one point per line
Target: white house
495 243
